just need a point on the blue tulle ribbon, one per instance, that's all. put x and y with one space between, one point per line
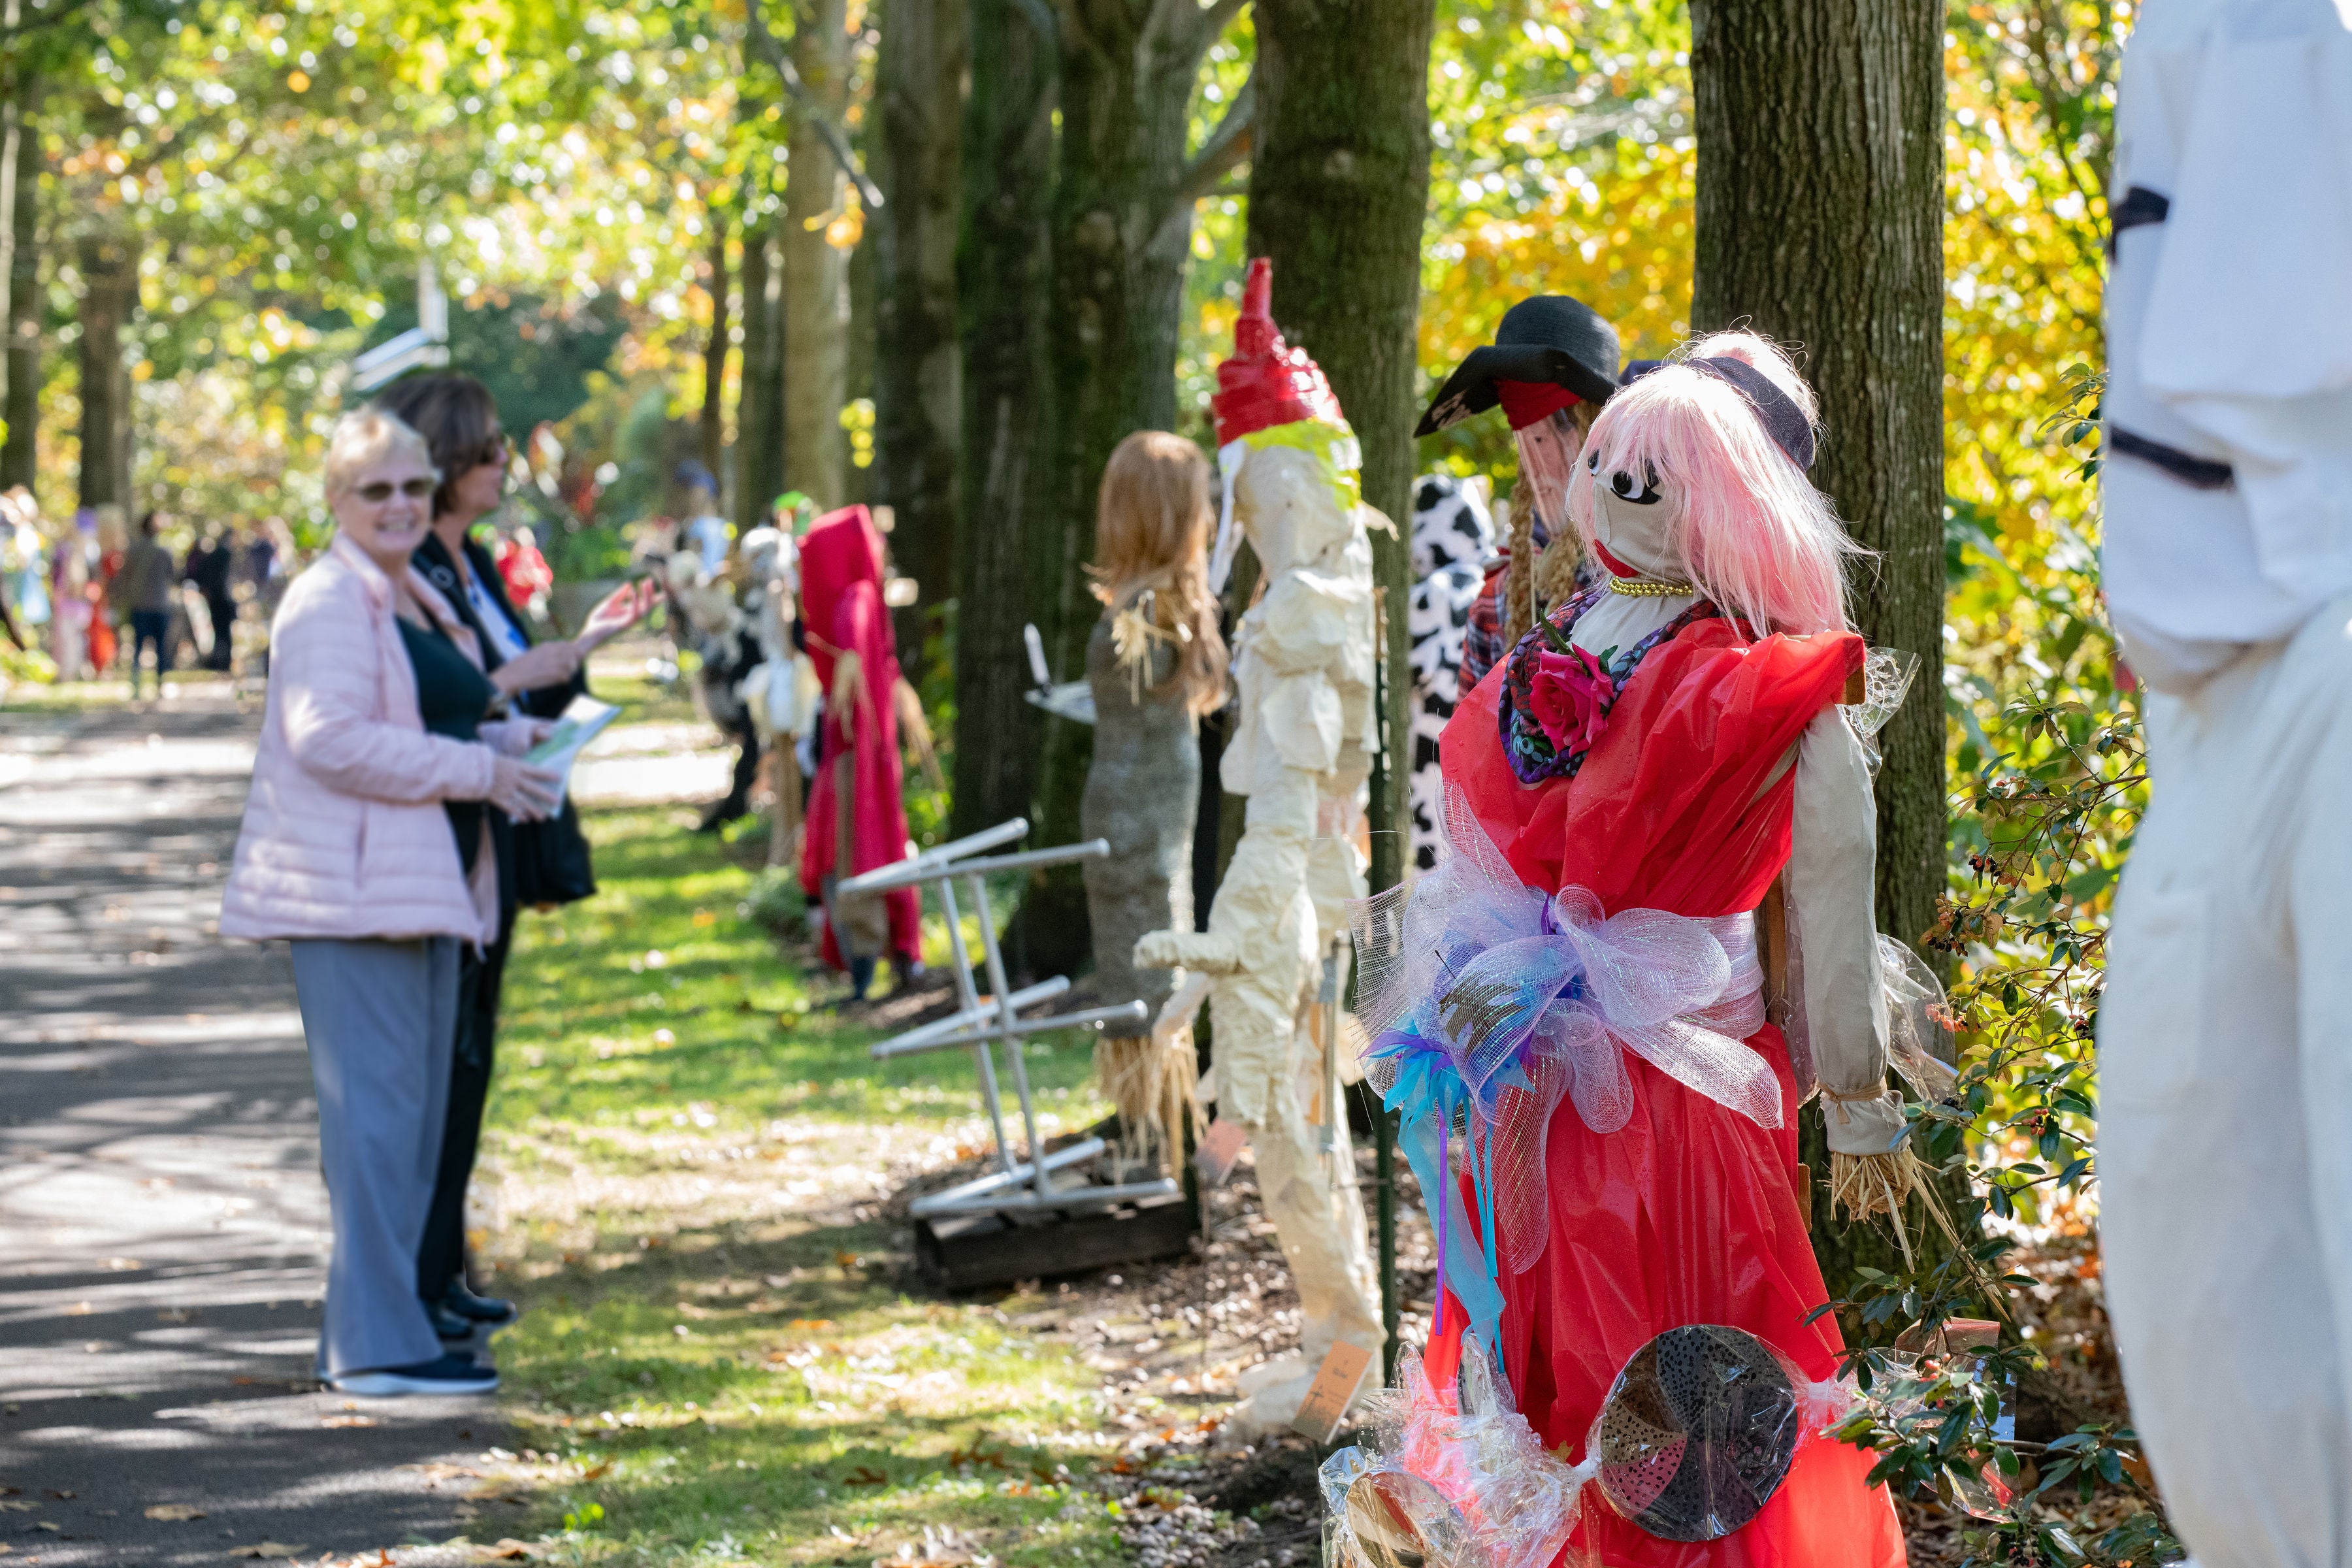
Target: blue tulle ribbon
1429 1096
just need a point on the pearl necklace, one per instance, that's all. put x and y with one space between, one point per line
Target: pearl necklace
1648 587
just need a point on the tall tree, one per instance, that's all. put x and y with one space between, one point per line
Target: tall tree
1338 187
713 432
1002 278
760 405
1122 227
1820 223
817 271
110 270
917 392
23 410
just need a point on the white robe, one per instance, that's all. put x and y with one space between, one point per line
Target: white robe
2225 1075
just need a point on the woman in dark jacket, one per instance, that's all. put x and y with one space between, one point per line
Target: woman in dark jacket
459 421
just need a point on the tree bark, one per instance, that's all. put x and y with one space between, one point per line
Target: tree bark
1820 224
758 405
714 352
1338 190
1122 231
1003 266
109 270
18 457
816 274
917 384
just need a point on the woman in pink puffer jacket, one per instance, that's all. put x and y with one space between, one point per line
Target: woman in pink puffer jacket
348 852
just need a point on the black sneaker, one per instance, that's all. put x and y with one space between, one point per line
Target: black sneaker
450 1374
491 1310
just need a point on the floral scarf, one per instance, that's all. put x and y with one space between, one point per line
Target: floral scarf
1556 697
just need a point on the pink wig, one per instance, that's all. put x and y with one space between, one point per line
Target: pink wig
1752 533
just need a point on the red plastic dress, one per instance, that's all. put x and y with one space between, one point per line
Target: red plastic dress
1689 1213
841 603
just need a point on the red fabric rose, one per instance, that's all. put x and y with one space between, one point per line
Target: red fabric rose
1569 697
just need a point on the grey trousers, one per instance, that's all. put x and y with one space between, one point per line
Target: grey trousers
379 1018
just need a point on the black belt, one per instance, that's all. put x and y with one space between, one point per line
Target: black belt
2196 472
2139 207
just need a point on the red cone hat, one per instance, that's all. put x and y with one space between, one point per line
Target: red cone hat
1265 383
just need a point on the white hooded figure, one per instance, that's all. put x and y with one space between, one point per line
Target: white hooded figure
1305 733
2225 1172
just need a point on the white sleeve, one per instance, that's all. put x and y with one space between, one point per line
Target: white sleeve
1832 882
2248 331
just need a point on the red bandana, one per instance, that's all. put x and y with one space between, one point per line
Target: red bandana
1527 403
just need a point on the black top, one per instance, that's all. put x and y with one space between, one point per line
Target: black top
453 698
432 558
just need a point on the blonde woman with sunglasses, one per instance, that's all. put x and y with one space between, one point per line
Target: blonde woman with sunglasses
365 847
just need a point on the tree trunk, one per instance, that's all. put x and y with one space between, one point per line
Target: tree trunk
1820 223
1003 264
1338 189
918 390
18 457
109 270
816 273
758 405
714 352
1123 238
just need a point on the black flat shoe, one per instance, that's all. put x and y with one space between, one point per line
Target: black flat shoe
494 1311
449 1325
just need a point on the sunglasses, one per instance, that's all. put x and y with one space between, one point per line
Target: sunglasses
382 490
493 449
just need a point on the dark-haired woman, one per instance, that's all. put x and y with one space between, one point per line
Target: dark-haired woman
459 421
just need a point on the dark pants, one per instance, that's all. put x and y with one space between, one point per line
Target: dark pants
441 1256
223 618
150 626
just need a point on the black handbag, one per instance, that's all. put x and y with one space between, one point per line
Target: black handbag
553 864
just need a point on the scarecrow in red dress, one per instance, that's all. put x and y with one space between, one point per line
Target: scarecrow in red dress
857 659
1577 988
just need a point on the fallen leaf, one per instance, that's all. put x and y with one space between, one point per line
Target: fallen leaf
865 1476
62 1497
181 1511
600 1469
268 1549
79 1309
347 1421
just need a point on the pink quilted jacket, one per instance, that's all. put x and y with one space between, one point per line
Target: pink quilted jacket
344 833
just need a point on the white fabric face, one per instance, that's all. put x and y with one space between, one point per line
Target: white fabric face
2230 330
1638 535
1286 503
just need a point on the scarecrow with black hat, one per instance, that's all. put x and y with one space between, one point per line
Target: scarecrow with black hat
1552 364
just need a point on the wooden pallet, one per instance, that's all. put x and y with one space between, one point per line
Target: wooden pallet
967 1252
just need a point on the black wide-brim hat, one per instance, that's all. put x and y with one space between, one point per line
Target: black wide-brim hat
1551 340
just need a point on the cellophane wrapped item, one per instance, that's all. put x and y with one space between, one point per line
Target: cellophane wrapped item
1456 1469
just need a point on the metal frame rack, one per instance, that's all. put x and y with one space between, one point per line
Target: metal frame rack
982 1021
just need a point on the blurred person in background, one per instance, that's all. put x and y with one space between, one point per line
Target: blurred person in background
538 867
211 565
143 590
366 845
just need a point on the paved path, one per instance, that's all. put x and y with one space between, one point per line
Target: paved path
162 1228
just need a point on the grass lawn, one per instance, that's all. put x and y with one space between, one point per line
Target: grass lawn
692 1158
